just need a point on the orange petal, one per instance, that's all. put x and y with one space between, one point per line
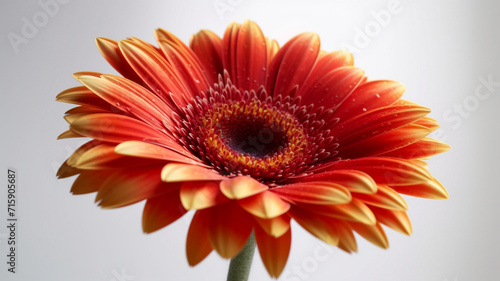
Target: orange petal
66 171
397 220
272 49
111 52
355 211
113 128
82 96
431 189
208 46
201 194
125 188
89 181
147 150
275 226
79 111
174 172
69 134
292 64
347 241
322 227
241 187
161 211
273 251
197 243
264 205
423 148
98 157
353 180
73 159
230 228
385 198
314 193
387 170
373 233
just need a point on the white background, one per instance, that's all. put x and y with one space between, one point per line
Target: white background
438 49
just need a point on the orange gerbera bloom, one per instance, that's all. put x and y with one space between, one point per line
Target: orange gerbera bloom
251 136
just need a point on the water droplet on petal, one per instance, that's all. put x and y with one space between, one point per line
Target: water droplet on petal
364 109
377 95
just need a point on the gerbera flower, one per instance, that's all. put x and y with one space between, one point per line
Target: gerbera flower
250 135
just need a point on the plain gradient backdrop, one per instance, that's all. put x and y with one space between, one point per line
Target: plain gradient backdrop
445 52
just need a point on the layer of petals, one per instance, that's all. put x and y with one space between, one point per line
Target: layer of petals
198 245
229 228
385 197
275 226
174 172
273 251
353 180
397 220
320 192
265 205
241 187
201 194
161 211
373 233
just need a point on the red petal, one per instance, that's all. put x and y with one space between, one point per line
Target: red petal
113 128
156 72
69 134
376 122
373 233
174 172
397 220
369 96
264 205
385 198
208 46
241 187
292 64
354 181
251 57
230 228
431 189
184 60
111 52
161 211
323 227
386 170
379 144
333 88
273 251
197 244
314 193
201 194
229 41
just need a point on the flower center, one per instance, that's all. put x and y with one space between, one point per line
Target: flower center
250 137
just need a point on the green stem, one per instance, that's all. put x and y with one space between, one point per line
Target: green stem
239 268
